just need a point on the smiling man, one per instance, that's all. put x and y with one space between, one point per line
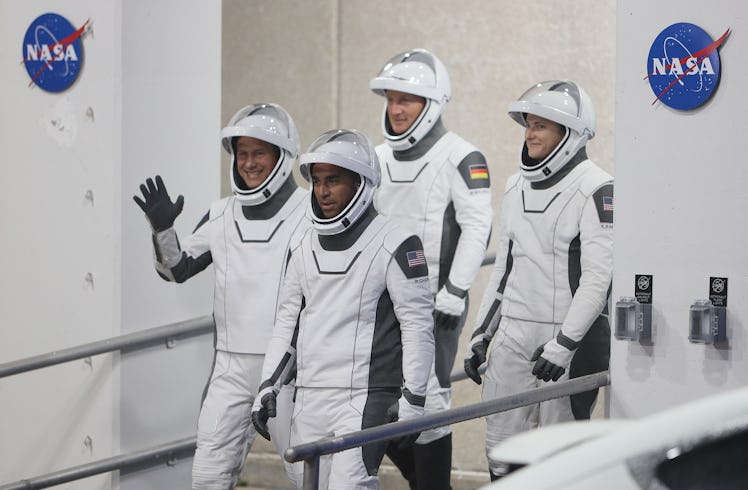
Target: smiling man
246 237
255 159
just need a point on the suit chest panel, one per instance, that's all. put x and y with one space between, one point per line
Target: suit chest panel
333 275
548 221
257 247
415 189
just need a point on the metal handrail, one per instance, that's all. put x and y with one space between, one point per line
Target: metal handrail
311 452
135 340
151 456
187 328
183 329
164 453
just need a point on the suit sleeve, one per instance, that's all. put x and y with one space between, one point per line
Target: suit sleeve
471 195
178 262
281 349
408 285
489 312
596 244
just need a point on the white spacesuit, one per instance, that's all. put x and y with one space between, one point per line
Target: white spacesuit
439 184
545 306
359 282
246 237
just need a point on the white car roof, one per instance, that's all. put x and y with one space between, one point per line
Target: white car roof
537 445
666 433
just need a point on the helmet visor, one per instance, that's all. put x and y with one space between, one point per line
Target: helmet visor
344 148
558 101
267 122
413 72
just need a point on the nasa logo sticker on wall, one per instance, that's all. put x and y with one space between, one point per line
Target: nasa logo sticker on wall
683 67
53 52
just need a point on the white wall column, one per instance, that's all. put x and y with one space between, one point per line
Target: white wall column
679 201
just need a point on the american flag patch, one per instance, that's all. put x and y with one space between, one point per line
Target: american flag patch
607 203
478 172
415 258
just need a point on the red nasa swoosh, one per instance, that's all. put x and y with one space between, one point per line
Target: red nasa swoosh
64 42
699 55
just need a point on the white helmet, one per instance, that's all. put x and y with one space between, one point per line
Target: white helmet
352 150
272 124
563 102
415 72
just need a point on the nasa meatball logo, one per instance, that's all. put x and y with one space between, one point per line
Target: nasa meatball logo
53 52
683 66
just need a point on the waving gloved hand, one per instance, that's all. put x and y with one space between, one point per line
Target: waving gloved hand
476 356
408 406
262 409
448 309
553 358
157 206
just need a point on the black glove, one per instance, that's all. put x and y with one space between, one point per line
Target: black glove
478 357
158 208
448 309
263 411
445 320
545 369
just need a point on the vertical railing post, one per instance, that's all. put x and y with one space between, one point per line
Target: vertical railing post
311 473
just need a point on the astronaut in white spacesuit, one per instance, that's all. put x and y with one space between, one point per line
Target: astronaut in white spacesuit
545 306
439 183
359 282
246 237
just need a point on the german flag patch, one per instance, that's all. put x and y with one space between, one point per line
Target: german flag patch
478 172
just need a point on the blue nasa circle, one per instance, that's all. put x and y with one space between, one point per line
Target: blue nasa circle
678 78
52 52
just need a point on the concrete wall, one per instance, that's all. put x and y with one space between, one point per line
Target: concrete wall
680 192
76 253
316 59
